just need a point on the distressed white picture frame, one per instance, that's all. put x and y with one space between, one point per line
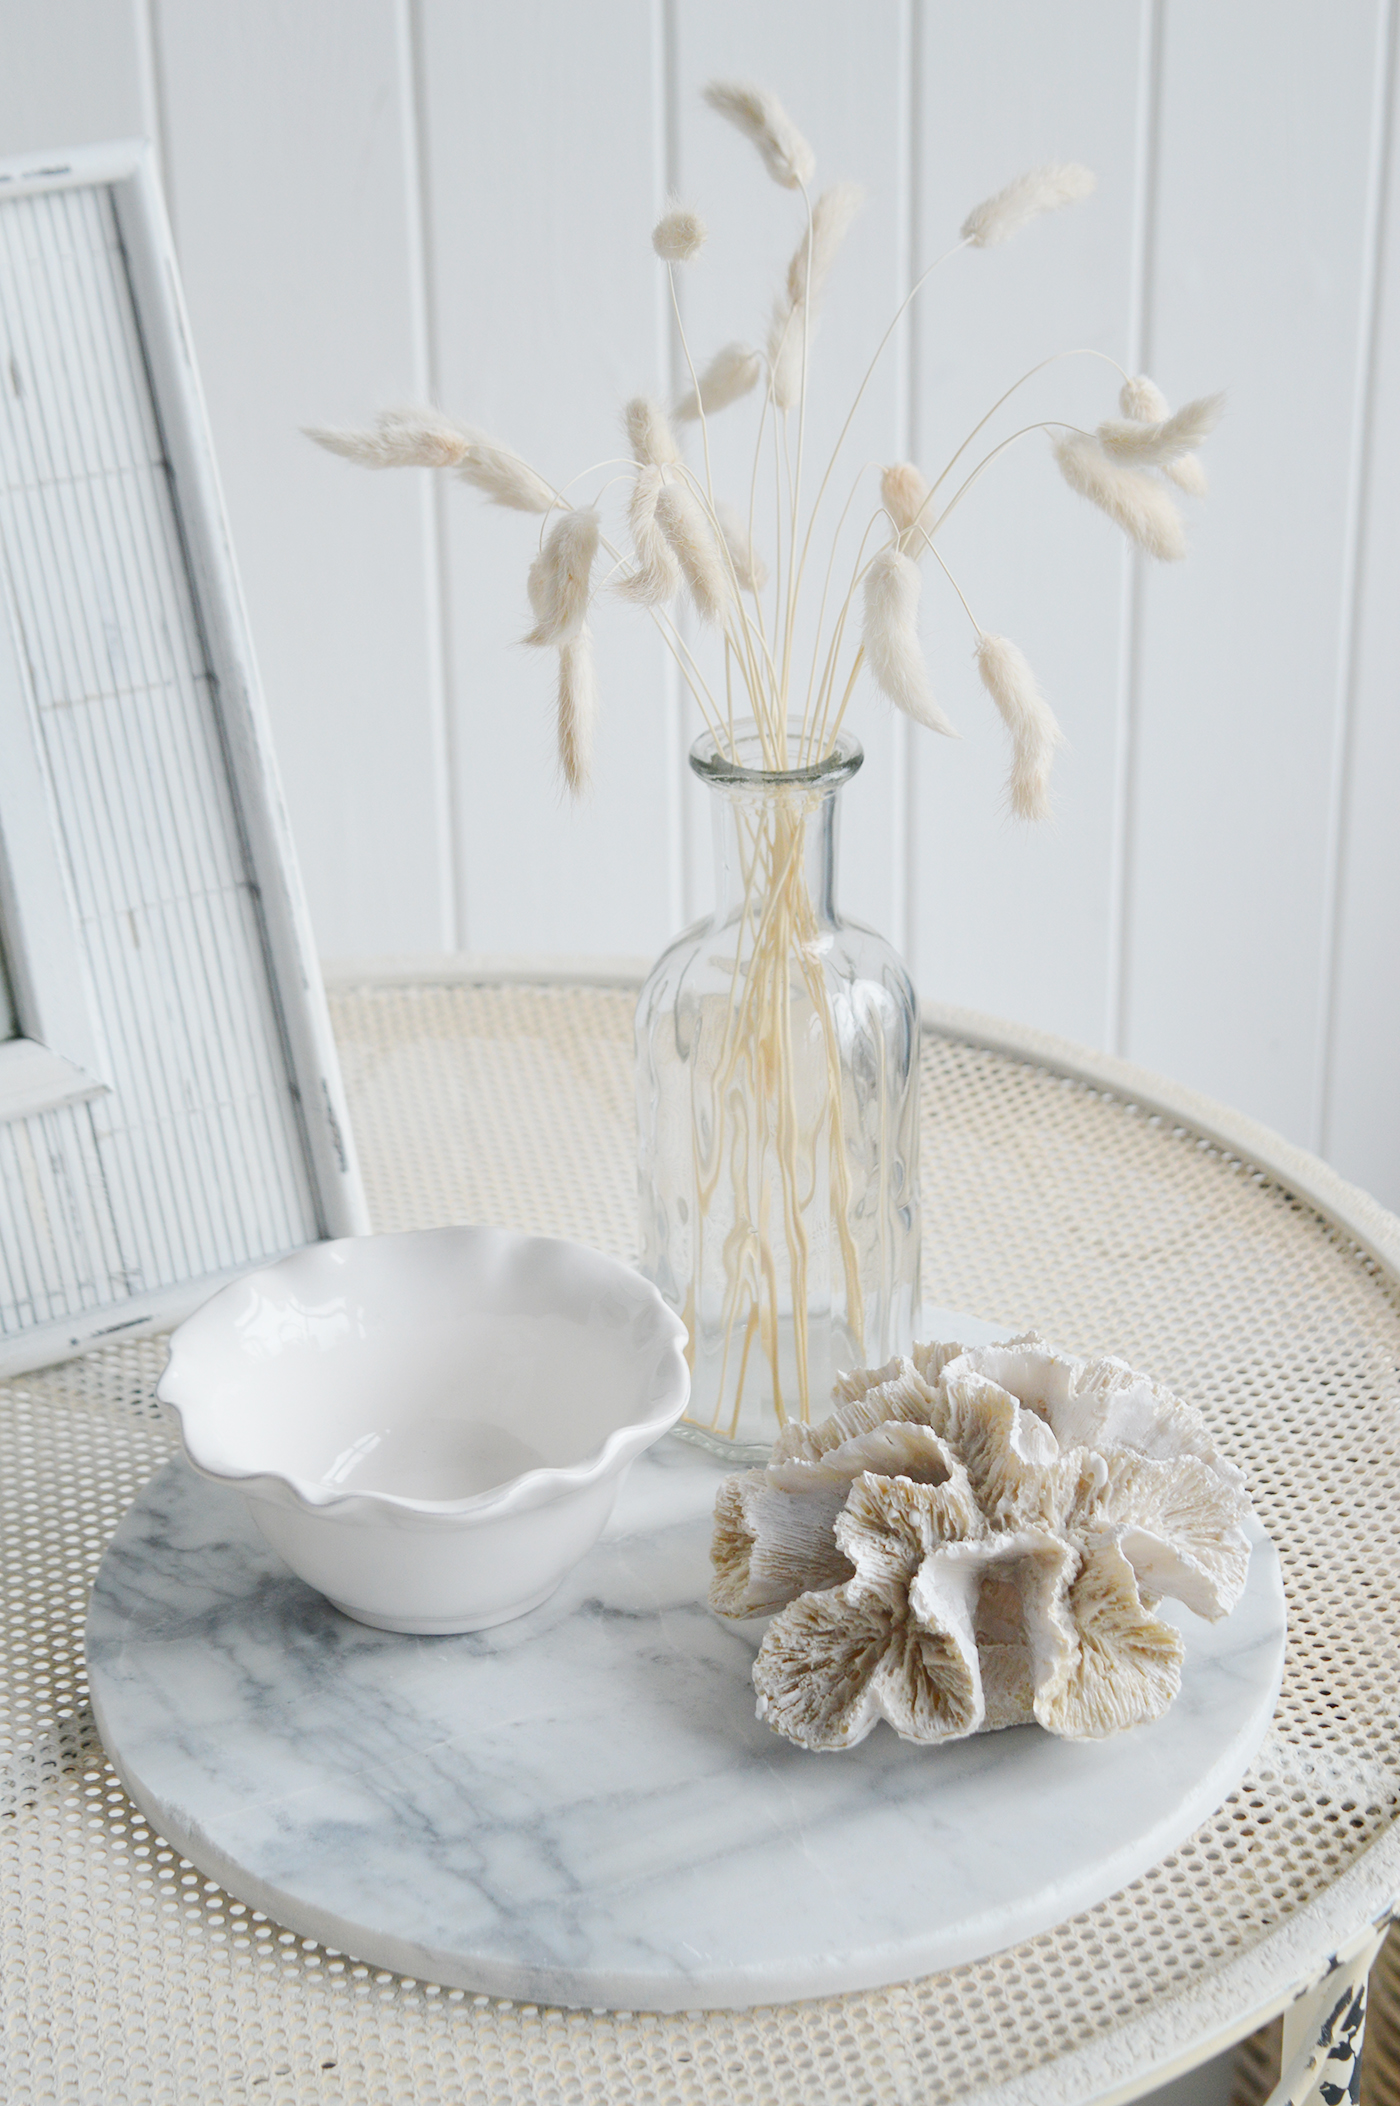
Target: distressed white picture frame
171 1111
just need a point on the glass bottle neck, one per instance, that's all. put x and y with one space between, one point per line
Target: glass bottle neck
765 839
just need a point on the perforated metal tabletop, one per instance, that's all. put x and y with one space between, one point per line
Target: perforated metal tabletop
1107 1209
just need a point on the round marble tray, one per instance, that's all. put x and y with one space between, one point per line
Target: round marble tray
580 1807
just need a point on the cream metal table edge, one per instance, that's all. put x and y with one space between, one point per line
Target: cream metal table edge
1304 1966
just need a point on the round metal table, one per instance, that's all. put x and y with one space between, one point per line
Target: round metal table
1108 1208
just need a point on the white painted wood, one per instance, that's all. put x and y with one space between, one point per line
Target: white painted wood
242 717
1011 918
545 309
1259 274
289 171
1361 1125
47 975
9 1017
33 1078
68 73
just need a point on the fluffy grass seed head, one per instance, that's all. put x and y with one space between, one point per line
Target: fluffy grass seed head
649 434
791 327
679 234
1039 190
890 634
1143 401
425 439
731 373
762 118
657 577
905 494
402 438
1133 499
560 576
577 710
749 567
1028 717
1164 440
681 518
832 215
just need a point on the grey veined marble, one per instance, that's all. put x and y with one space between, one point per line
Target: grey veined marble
580 1807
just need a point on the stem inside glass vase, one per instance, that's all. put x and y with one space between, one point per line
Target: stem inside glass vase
776 1049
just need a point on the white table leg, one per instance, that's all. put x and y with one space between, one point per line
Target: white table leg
1324 2029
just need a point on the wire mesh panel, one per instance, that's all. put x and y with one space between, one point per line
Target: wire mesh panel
129 1976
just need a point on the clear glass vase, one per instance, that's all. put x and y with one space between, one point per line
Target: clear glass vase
777 1097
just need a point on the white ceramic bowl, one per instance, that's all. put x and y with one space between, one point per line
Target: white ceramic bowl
430 1428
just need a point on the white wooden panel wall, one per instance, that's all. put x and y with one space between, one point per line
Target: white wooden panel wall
381 199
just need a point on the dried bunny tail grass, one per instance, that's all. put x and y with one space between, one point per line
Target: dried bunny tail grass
1027 715
559 578
730 374
795 306
1143 401
1045 189
785 342
424 439
762 118
678 234
657 576
682 520
578 709
904 492
402 438
649 434
1188 475
891 638
1133 500
504 477
1163 441
832 215
749 567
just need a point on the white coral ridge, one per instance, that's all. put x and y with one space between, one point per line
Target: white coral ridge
978 1537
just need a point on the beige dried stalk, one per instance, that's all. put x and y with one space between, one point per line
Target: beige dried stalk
682 535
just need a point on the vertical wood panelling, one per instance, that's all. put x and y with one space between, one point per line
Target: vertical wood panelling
289 171
540 147
1148 124
1260 260
1180 903
850 111
1014 919
1361 1131
69 73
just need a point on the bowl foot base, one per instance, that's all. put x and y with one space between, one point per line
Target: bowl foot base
446 1626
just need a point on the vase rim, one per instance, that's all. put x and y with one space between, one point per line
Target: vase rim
712 761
